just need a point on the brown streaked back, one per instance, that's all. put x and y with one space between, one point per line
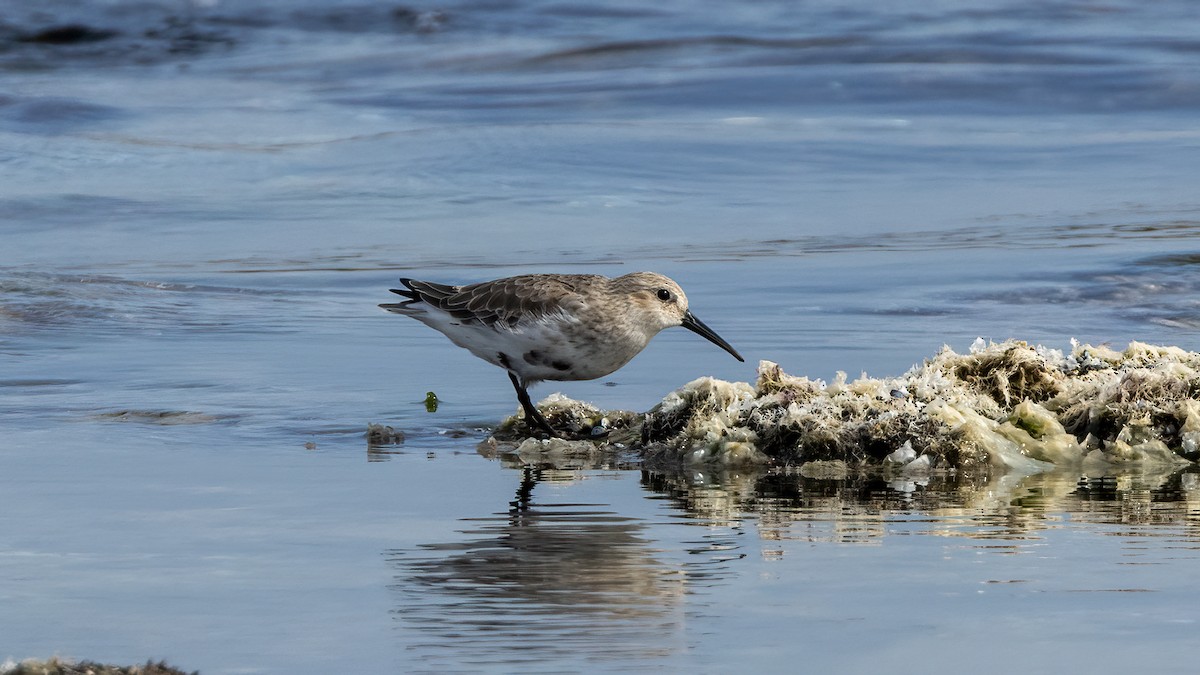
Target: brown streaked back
502 301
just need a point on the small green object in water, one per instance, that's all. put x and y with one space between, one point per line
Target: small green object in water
431 402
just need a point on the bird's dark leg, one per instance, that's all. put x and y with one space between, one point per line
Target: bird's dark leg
532 415
529 478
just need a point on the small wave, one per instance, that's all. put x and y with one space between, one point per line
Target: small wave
98 304
159 417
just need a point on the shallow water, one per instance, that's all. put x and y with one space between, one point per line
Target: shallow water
203 202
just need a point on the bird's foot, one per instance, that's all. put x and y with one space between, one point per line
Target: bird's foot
596 433
543 432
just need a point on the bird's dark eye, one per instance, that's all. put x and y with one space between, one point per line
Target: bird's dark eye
664 295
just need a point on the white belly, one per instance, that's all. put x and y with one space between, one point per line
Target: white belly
551 349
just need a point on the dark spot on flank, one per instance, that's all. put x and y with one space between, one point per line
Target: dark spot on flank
504 360
535 357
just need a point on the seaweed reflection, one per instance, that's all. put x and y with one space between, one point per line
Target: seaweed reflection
865 508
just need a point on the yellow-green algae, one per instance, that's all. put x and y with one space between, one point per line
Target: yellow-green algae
1003 405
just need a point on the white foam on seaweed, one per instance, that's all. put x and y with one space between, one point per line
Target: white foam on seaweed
1003 406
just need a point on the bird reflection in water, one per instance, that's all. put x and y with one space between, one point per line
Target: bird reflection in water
537 582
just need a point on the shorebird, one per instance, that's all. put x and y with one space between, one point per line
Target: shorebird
553 326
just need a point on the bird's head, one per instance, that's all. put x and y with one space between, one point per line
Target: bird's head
660 303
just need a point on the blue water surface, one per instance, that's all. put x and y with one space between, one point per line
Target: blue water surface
203 202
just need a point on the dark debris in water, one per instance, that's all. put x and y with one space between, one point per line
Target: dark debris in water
158 33
156 39
380 434
69 34
58 666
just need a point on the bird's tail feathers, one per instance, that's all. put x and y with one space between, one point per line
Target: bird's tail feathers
415 292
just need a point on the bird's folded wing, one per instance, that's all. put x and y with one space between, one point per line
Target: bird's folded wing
503 301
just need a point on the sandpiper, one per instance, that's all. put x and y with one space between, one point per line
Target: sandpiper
553 326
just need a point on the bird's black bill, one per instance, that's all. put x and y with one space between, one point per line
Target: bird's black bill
697 326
